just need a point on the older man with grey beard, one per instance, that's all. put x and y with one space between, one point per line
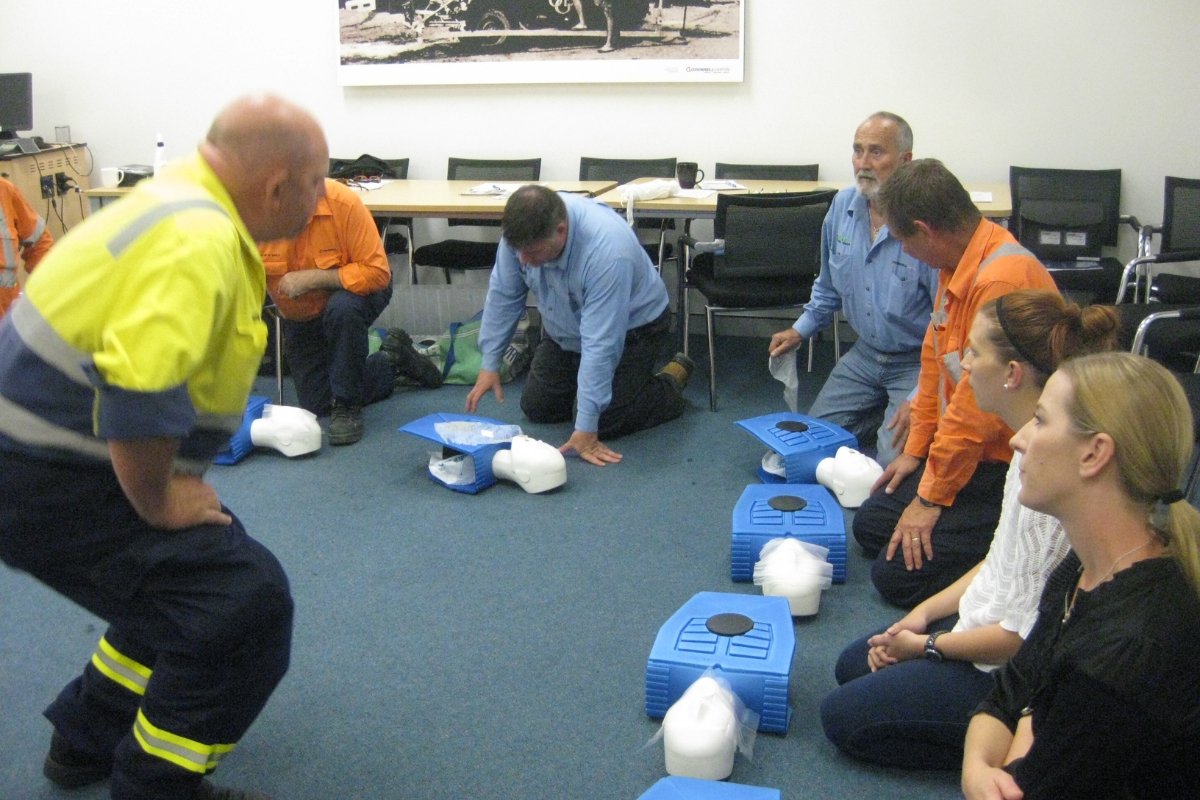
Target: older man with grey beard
886 295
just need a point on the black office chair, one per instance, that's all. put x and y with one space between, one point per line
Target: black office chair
624 170
783 172
1065 217
273 359
462 254
368 167
767 172
1180 231
767 255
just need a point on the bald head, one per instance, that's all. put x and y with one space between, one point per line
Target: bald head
272 158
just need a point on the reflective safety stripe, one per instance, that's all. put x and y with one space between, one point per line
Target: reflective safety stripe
152 217
46 344
28 428
121 668
10 255
185 753
1006 249
37 233
953 361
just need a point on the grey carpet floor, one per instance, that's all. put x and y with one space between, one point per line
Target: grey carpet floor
488 646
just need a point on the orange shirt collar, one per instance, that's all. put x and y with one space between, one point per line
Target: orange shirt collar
981 243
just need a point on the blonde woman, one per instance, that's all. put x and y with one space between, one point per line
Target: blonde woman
1103 700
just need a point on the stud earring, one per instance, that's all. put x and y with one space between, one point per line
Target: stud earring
1006 386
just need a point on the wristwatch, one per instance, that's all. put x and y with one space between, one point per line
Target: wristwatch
931 651
926 504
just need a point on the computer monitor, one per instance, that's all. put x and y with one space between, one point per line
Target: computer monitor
16 103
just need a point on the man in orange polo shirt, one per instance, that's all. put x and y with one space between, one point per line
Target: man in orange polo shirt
330 283
20 229
933 512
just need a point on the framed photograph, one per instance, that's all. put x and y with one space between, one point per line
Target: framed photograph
417 42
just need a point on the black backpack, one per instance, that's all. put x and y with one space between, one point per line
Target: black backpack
364 167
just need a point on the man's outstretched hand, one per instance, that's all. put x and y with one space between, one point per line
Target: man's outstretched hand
590 449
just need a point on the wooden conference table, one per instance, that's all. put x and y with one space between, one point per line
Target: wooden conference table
419 198
439 198
994 200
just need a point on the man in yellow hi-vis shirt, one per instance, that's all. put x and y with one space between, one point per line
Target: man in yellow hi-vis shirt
123 369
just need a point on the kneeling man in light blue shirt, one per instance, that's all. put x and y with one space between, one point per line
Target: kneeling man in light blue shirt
604 315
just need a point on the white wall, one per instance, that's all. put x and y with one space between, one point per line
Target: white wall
1065 83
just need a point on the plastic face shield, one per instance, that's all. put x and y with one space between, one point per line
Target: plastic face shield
849 475
533 465
291 431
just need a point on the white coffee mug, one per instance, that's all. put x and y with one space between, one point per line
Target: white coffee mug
111 177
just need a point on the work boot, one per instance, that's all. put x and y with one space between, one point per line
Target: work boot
398 348
680 369
206 791
68 768
346 424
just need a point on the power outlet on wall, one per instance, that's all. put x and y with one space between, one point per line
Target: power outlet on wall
47 187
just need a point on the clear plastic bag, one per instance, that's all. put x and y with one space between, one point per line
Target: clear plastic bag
463 432
454 471
704 728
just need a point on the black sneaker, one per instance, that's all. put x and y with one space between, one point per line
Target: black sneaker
67 768
207 791
346 424
398 347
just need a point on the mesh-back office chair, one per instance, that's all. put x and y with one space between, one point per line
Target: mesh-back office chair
1180 232
767 172
770 257
462 254
624 170
783 172
1065 217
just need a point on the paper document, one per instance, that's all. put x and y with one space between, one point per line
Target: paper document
720 186
695 194
981 197
495 189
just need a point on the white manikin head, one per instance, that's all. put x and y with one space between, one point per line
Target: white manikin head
292 431
849 475
533 465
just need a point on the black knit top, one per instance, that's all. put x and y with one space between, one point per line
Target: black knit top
1114 690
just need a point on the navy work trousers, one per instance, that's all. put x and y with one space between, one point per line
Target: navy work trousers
200 622
640 398
961 536
328 355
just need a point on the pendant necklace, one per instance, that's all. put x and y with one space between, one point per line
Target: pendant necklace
1069 599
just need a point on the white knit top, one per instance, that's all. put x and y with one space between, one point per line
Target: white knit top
1027 547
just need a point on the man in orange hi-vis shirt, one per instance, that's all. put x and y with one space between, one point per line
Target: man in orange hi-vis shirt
329 284
20 229
932 513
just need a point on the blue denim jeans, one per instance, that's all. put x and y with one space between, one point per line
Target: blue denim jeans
863 392
913 714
